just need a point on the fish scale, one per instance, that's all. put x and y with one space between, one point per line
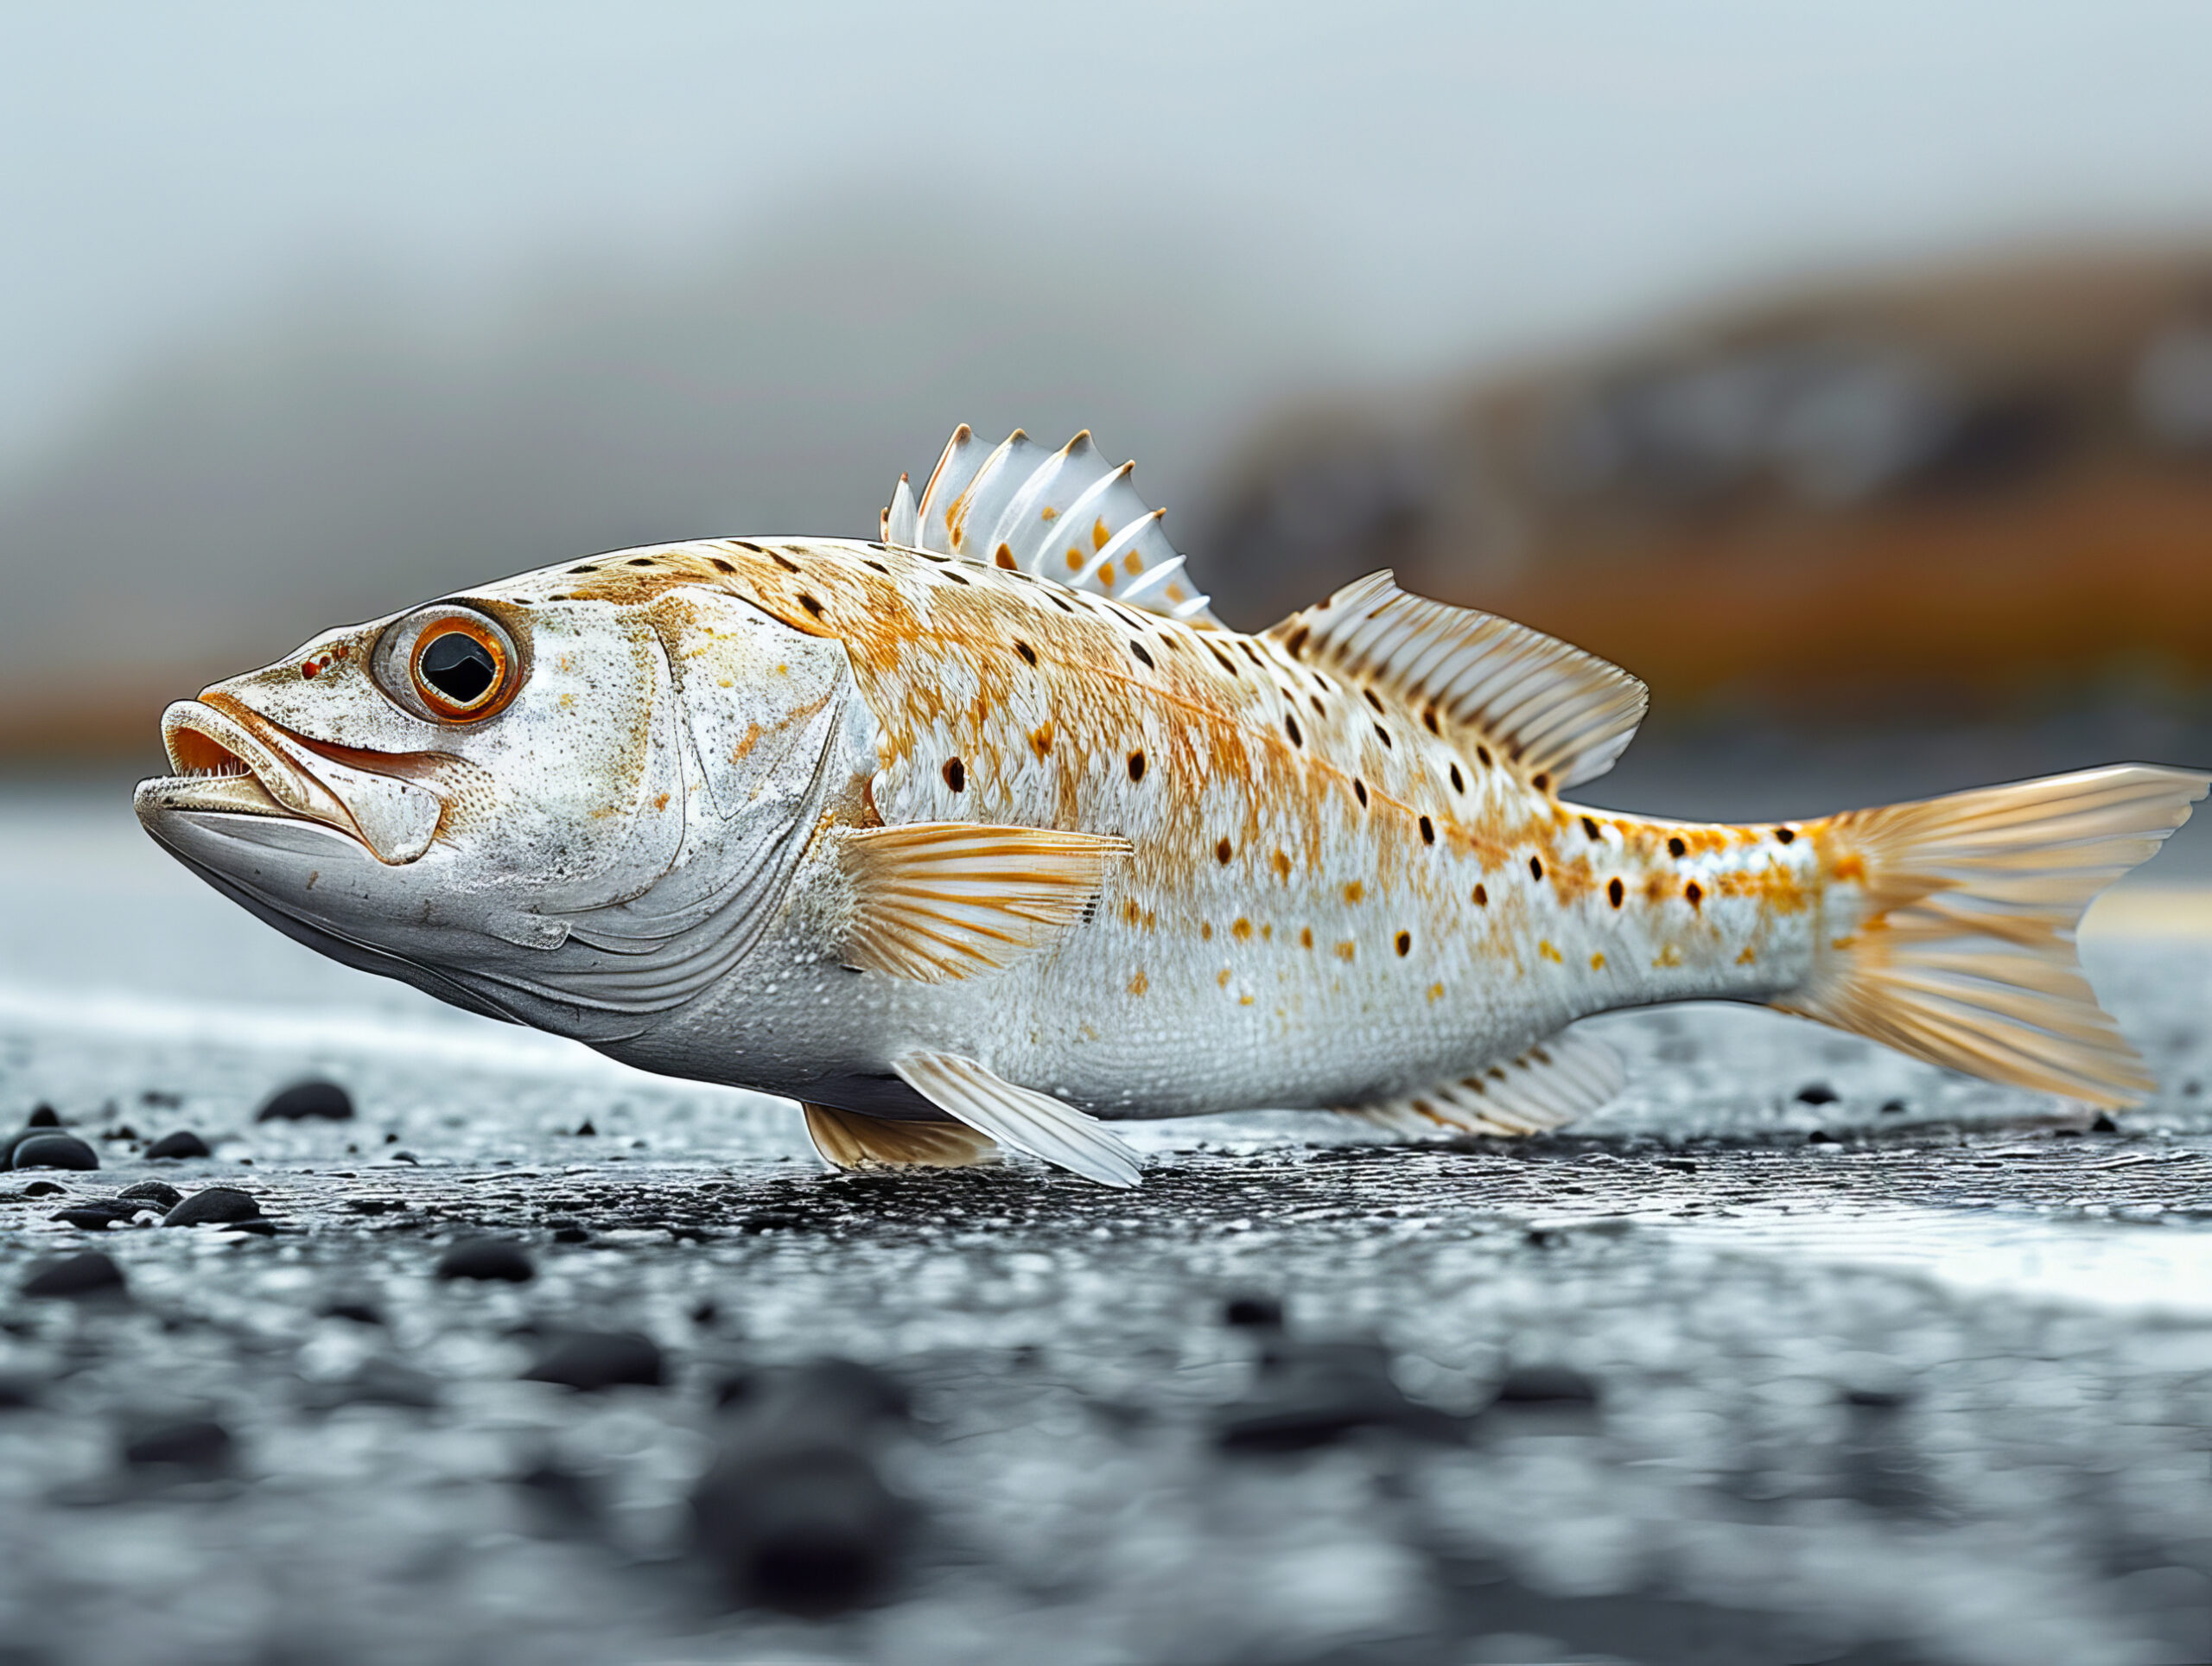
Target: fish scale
988 832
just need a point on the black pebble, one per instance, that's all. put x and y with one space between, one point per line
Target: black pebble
2104 1124
487 1258
1253 1312
323 1100
157 1193
86 1275
1822 1136
585 1130
122 1131
1816 1093
95 1217
1545 1385
181 1144
43 1116
200 1443
570 1235
1310 1394
601 1359
53 1151
360 1311
1892 1107
43 1189
214 1205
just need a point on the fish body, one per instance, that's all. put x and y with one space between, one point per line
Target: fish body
943 837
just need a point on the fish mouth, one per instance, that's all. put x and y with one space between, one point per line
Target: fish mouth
229 759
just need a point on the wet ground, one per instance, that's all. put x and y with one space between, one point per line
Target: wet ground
1799 1353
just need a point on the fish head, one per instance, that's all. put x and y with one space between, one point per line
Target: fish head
513 796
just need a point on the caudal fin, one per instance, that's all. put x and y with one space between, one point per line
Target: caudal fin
1963 952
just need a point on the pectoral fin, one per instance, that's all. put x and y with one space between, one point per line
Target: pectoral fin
1047 1129
931 901
848 1140
1554 1082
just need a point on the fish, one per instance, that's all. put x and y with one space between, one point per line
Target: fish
987 834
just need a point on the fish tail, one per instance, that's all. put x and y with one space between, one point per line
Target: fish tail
1949 926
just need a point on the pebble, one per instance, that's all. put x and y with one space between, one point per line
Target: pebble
591 1360
178 1145
214 1205
87 1274
95 1217
324 1100
159 1193
1816 1093
357 1309
44 1150
1309 1394
198 1443
1545 1385
1253 1312
487 1258
43 1116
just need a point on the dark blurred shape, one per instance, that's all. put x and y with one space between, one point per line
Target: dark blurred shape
43 1116
592 1360
376 1381
795 1513
1256 1313
1948 490
1309 1394
198 1444
324 1101
90 1274
178 1146
495 1260
44 1150
1545 1385
158 1195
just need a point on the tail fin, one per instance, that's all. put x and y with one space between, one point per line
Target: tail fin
1964 953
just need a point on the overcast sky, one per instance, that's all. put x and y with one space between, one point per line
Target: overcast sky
1434 182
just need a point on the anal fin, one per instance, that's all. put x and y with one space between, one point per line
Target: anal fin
1049 1130
933 900
1561 1077
846 1139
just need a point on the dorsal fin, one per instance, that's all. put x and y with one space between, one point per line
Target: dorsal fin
1560 713
1066 515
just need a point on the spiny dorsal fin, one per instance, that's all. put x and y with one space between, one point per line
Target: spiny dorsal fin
1047 1129
933 900
1558 712
1065 515
846 1139
1561 1077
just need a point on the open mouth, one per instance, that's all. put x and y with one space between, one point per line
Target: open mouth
231 760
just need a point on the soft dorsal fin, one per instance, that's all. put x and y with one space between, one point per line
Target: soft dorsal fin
1555 1081
1065 515
1561 713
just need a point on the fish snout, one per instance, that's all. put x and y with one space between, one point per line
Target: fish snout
230 760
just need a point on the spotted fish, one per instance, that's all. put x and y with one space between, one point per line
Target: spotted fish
988 833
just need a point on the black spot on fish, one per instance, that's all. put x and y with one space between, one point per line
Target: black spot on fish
784 562
1536 867
1383 735
1590 829
1694 892
1405 944
809 604
1136 764
1616 891
956 774
1458 781
1677 850
1359 791
1482 896
1483 753
1427 831
1290 727
1027 652
1223 851
720 565
1785 834
1137 648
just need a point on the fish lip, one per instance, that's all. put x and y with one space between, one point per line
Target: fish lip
202 738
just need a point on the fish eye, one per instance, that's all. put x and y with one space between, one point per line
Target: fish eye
451 665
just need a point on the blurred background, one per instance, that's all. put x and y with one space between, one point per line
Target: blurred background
1844 371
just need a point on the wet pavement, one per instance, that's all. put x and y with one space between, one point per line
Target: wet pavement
1799 1353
